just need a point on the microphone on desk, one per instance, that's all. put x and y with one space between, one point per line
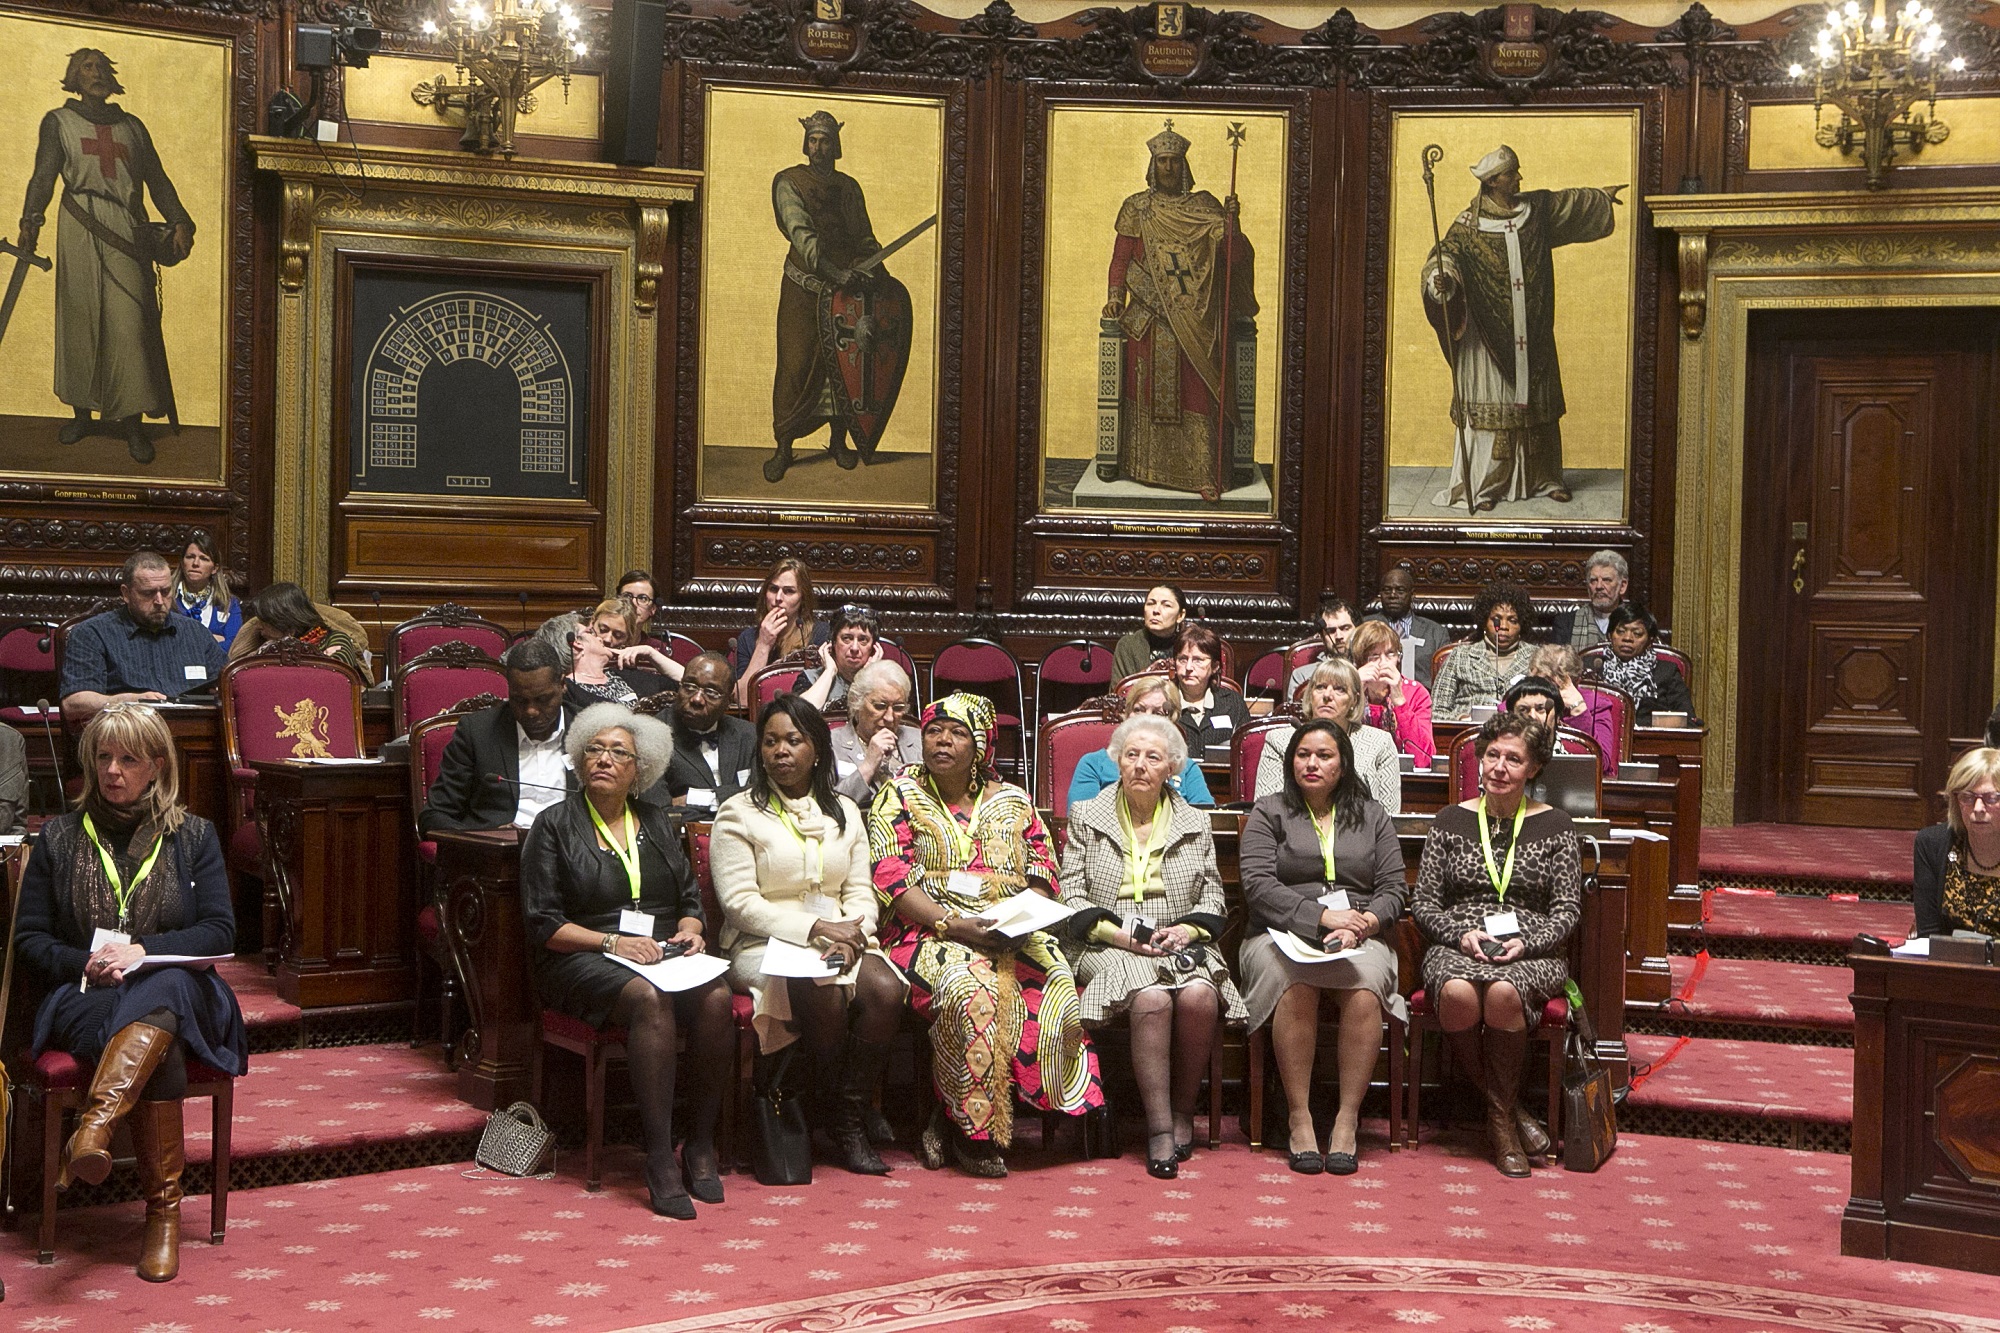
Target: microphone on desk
504 780
55 755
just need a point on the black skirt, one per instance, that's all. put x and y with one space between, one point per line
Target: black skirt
83 1022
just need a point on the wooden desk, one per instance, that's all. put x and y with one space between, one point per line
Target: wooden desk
1926 1152
480 877
340 855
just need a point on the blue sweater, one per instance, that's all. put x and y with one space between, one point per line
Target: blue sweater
1098 771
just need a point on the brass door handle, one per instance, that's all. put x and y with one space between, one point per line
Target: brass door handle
1799 570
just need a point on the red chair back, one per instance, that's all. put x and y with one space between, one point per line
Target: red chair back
1302 652
980 666
449 623
288 702
1267 676
1159 666
1678 660
895 652
1463 782
777 678
28 647
679 647
437 679
1069 674
1615 705
697 838
1246 752
1444 650
1060 747
1227 666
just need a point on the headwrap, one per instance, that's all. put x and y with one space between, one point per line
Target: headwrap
975 713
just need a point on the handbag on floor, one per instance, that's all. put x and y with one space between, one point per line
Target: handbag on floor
781 1146
517 1142
1590 1120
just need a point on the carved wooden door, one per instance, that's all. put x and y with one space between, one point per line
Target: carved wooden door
1880 533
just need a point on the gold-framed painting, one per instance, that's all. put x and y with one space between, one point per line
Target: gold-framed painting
1162 314
822 298
114 346
1514 258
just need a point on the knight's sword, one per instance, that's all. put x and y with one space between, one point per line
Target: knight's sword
23 260
869 264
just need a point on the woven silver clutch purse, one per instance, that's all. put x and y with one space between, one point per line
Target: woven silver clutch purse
517 1142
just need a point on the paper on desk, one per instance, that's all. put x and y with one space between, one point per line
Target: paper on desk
1025 913
678 974
1637 835
1299 951
177 960
1919 947
334 760
782 958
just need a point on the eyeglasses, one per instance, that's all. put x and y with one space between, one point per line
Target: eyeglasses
616 753
708 692
1988 799
635 598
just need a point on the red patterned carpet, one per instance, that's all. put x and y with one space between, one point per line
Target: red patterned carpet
1758 852
1673 1236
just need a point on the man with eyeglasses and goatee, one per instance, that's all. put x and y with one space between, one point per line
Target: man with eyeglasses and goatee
712 750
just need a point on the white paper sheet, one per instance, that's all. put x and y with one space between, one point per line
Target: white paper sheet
1920 947
1025 913
177 960
1299 951
1636 835
782 958
678 974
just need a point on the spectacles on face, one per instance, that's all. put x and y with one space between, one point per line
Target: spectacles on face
1987 799
708 692
636 598
616 753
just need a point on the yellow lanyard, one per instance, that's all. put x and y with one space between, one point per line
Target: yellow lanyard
1139 863
968 844
811 850
1501 878
1327 836
120 888
628 855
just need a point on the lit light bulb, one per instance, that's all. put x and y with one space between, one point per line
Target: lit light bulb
1798 71
1852 9
430 28
1957 65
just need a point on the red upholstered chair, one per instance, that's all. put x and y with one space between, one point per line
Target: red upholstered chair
1267 676
59 636
1246 751
28 673
742 1009
1071 673
439 677
896 653
1062 745
1445 650
1301 653
1159 666
983 667
597 1047
1617 705
777 678
678 646
284 701
449 623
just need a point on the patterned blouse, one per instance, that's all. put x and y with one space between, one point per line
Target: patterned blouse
918 841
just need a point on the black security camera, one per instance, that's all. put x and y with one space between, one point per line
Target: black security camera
349 40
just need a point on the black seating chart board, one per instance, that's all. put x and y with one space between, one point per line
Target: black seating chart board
473 387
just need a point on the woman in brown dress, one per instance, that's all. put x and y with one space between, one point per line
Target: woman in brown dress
1497 896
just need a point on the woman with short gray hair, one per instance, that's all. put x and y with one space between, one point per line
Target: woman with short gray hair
604 884
1139 870
876 742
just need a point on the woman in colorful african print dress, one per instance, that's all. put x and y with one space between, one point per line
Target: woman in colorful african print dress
950 840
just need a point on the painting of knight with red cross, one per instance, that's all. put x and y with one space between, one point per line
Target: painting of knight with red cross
110 355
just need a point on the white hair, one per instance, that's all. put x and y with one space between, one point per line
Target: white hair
1610 560
651 738
1151 724
874 678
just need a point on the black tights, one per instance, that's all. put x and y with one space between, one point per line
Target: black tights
169 1082
651 1019
822 1011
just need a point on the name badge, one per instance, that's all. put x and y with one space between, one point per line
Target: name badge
1502 924
1335 899
196 672
1219 722
101 937
635 923
701 796
742 777
844 769
965 884
820 906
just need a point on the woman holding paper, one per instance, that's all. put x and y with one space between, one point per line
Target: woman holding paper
605 889
1139 872
792 872
129 875
1498 894
962 857
1323 875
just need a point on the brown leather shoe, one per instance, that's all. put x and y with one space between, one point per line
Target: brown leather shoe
1534 1139
134 1053
1505 1053
156 1138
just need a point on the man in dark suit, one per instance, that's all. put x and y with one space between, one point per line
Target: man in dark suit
521 741
712 751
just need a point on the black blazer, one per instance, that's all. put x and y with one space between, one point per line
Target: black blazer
688 773
1223 703
1670 694
561 879
1927 895
465 796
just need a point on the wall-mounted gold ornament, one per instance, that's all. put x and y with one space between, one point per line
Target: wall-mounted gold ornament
503 50
1875 67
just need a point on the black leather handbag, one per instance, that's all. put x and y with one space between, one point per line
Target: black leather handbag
781 1153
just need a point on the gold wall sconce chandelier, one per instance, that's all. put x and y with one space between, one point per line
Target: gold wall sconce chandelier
1875 67
502 51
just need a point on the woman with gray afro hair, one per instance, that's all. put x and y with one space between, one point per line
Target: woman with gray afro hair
652 740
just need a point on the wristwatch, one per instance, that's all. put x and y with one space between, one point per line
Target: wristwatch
610 944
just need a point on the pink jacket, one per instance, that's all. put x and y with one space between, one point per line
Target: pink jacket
1409 724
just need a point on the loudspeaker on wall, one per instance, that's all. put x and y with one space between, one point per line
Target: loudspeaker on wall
632 82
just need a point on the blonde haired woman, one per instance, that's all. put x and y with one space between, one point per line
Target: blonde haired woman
1161 697
1958 861
126 874
1335 693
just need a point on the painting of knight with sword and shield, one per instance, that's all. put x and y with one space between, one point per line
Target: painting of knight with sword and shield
110 316
845 357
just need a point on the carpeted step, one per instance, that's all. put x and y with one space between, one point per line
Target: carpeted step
272 1021
1803 858
1743 1091
1753 1000
1790 928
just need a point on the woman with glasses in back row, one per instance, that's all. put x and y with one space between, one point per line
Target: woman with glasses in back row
1958 861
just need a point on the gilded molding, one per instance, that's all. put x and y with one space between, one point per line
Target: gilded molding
295 242
1694 282
655 229
436 170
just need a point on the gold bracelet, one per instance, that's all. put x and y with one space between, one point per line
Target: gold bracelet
939 926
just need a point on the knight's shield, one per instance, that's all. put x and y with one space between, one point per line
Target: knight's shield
870 333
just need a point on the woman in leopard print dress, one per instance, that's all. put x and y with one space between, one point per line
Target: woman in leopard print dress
1497 857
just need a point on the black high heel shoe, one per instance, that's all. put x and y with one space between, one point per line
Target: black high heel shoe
705 1186
1162 1168
672 1203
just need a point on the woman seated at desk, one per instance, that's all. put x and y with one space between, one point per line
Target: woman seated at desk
603 874
1498 894
1211 712
790 858
1335 695
1393 702
1480 670
1160 697
1958 861
1633 666
1139 870
131 873
1321 862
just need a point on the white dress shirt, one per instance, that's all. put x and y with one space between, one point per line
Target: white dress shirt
544 774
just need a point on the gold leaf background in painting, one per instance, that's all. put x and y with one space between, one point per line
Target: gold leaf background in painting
1558 150
179 86
894 146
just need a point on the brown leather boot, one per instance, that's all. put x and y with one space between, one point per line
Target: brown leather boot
156 1138
1505 1053
134 1053
1468 1053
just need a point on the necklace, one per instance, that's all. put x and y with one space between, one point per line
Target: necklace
1980 867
